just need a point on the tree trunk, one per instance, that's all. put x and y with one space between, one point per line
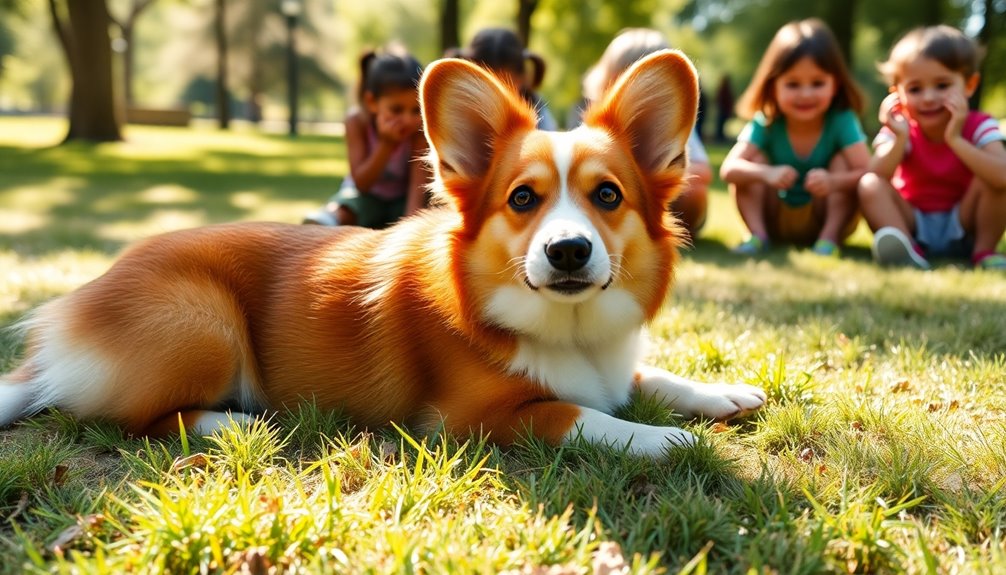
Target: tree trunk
126 29
127 64
223 97
985 37
840 17
525 9
87 46
449 23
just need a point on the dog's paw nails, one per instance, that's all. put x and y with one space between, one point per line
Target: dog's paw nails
724 401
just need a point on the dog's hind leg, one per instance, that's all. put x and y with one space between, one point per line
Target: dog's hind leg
198 422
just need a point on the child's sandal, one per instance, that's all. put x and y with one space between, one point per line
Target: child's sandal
751 246
992 262
826 248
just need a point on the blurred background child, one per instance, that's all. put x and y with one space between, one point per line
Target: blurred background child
501 51
937 181
628 46
795 166
385 146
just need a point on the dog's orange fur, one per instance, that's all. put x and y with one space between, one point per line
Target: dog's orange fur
386 325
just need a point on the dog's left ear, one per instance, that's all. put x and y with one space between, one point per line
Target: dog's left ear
466 112
652 105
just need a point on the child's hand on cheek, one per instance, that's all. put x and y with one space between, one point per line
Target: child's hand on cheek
818 182
892 115
957 105
392 129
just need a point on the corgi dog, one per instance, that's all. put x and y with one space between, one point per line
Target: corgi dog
516 307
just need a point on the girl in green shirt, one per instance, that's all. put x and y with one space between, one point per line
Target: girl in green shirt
796 164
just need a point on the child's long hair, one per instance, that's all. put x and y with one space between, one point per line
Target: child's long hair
945 44
388 70
501 49
628 46
805 38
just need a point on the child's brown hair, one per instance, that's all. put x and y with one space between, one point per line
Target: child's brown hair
804 38
945 44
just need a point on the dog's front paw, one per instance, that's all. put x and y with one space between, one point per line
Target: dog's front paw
721 401
655 441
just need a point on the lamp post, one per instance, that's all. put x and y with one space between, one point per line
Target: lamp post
291 10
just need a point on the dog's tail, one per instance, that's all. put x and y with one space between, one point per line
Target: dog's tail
15 398
18 388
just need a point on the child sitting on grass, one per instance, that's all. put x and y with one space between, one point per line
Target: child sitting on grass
385 145
794 169
937 180
501 51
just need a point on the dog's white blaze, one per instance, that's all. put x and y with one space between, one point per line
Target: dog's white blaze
565 220
647 440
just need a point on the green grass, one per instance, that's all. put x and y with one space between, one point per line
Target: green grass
882 449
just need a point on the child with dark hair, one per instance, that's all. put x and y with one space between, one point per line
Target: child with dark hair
501 51
937 180
796 164
385 145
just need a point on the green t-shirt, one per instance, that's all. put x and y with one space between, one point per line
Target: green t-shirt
841 130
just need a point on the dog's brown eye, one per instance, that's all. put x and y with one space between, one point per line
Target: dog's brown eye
523 198
607 196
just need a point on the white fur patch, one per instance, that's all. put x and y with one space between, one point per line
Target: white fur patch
212 421
14 401
645 440
67 374
609 316
597 377
692 399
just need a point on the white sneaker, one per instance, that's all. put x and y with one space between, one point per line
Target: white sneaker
891 247
320 218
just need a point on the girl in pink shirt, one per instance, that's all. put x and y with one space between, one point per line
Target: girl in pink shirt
937 179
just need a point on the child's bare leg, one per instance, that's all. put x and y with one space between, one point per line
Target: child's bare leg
751 203
883 206
983 213
344 215
839 205
690 207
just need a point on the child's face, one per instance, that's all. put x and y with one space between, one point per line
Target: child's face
396 107
923 87
804 91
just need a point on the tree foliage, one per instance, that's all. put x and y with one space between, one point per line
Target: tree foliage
176 44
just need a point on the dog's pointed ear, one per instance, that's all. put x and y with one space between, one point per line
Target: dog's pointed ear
652 105
466 112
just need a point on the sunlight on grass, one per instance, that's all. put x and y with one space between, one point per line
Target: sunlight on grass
881 448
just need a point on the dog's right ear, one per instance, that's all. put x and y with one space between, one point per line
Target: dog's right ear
466 113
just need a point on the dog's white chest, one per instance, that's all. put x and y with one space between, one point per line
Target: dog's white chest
600 377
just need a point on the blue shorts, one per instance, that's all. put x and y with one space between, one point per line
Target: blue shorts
941 234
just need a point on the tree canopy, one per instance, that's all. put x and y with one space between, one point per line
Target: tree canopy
173 45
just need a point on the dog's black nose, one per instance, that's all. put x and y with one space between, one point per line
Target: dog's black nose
568 254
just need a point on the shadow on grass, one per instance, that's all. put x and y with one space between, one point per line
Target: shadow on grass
80 189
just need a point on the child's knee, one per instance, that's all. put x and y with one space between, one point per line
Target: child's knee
871 186
748 189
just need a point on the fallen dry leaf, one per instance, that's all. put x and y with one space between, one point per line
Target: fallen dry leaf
900 386
608 560
195 460
22 504
59 475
